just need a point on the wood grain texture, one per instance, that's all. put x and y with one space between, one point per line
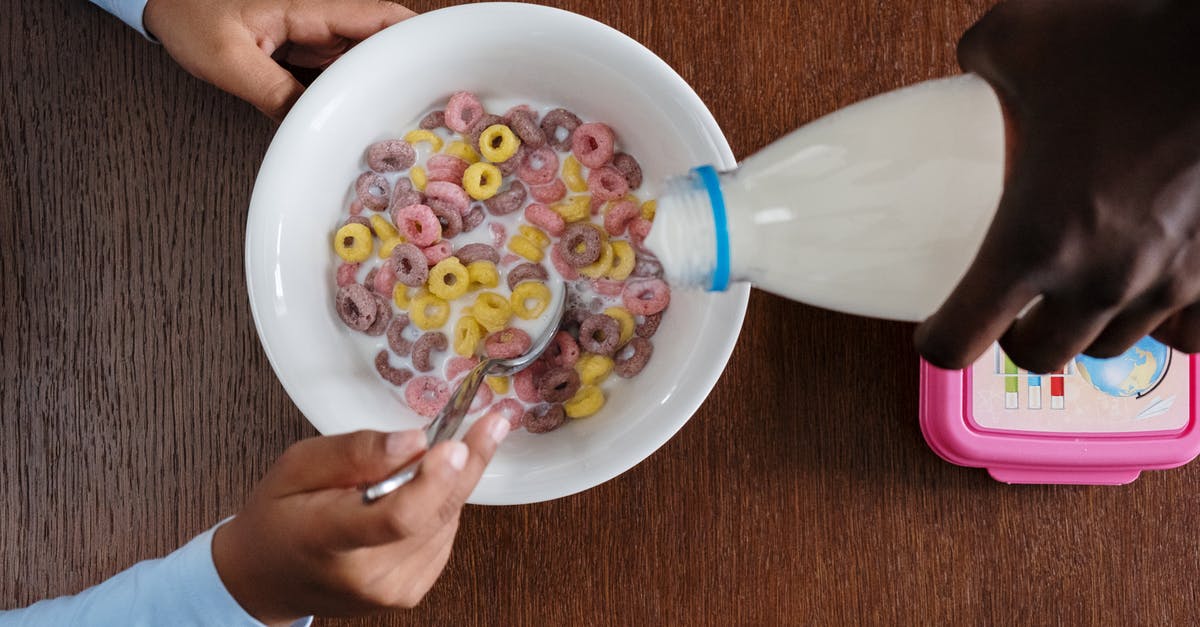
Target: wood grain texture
138 408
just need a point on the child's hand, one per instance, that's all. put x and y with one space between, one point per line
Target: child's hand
234 44
306 543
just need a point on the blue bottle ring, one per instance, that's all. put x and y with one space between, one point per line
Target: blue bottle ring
712 183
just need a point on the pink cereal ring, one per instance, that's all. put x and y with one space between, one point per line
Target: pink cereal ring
605 287
639 228
450 193
499 234
525 382
427 395
438 252
540 167
593 143
566 270
419 225
512 409
554 191
618 217
563 352
507 343
347 273
646 297
510 259
445 168
463 110
456 366
545 218
356 208
385 279
483 398
595 205
606 183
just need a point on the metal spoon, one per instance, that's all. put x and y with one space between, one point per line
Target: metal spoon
451 417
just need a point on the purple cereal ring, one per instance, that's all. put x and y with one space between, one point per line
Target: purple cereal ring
647 267
373 190
633 358
600 334
527 271
558 385
559 127
383 315
545 218
418 224
391 155
565 270
445 169
507 201
412 269
544 418
436 253
449 217
644 297
395 376
347 274
427 395
507 343
540 167
513 163
581 244
525 382
424 347
523 122
618 216
360 220
456 366
471 253
474 218
462 111
554 191
510 408
472 134
369 282
395 336
649 325
592 144
605 183
385 280
628 166
450 193
432 120
404 195
573 320
563 352
356 306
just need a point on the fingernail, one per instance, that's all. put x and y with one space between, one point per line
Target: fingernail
458 455
499 429
397 443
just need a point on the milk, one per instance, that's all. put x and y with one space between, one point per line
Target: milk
876 209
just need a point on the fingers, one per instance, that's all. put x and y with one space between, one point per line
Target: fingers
359 19
1053 332
248 72
342 461
1182 330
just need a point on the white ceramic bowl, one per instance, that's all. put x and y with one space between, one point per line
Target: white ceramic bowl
376 91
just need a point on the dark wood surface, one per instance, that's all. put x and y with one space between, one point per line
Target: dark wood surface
138 409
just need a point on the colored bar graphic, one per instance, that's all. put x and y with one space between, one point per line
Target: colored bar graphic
1058 399
1012 381
1035 391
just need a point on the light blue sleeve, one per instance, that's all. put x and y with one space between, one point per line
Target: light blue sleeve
129 11
182 589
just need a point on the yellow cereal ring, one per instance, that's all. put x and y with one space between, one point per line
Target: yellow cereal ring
649 208
535 235
499 385
602 265
427 311
467 334
572 175
492 311
522 246
385 247
448 279
575 209
383 229
463 151
400 296
354 243
624 259
483 274
625 319
525 292
419 178
587 401
419 135
593 369
482 180
498 144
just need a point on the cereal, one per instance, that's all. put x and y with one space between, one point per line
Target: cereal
391 155
353 243
508 200
483 398
540 167
395 336
360 220
593 369
471 253
356 207
573 175
629 167
639 228
624 261
423 349
499 385
450 193
418 224
446 169
492 311
499 234
546 218
483 274
586 402
581 244
373 190
606 183
412 269
383 315
563 351
419 180
529 291
525 247
647 267
618 215
646 296
467 334
463 110
347 273
482 180
449 279
497 143
592 144
429 312
479 127
450 219
526 272
566 270
554 191
458 366
382 228
437 253
559 126
404 194
625 320
473 219
602 265
423 134
388 245
510 409
400 296
427 395
544 418
633 358
385 280
558 384
355 306
649 325
395 376
574 209
507 344
432 120
523 122
600 334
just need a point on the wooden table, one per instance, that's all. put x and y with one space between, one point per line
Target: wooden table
138 407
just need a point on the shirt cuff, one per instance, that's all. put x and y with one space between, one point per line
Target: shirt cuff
128 11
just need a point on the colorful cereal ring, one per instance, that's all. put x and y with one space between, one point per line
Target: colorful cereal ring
592 144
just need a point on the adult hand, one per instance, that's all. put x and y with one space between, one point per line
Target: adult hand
237 44
306 543
1100 215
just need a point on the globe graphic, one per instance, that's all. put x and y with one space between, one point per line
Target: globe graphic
1133 373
